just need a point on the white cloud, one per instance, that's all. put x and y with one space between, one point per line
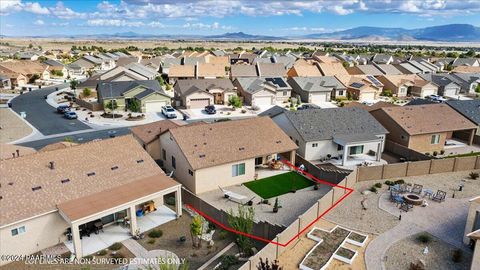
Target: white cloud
7 6
35 8
114 22
39 22
214 25
63 12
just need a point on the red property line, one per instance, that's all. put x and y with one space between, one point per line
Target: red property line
349 191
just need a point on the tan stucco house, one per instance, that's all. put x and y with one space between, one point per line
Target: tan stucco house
198 93
408 84
263 91
425 128
205 156
47 199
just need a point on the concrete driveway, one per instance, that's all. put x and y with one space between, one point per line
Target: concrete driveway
43 116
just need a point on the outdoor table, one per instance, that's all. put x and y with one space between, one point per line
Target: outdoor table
427 192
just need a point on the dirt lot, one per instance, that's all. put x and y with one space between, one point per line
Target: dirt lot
12 127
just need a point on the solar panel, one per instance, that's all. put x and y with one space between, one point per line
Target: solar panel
357 85
374 80
277 81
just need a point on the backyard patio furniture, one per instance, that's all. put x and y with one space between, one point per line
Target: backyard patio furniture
406 207
395 187
417 189
427 192
399 200
235 197
439 196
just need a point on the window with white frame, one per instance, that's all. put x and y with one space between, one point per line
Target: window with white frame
314 144
238 169
18 230
435 139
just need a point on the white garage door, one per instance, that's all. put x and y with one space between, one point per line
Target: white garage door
450 92
196 103
262 100
367 97
318 98
428 92
154 106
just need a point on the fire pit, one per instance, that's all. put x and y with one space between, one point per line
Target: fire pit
413 199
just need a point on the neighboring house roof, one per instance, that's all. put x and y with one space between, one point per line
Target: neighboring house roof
116 89
271 70
225 142
465 62
399 80
126 61
407 68
111 55
53 63
152 62
381 58
193 60
218 52
365 69
242 70
273 111
71 165
211 70
142 70
149 132
93 59
440 79
375 106
185 87
121 54
81 63
466 69
332 69
254 85
468 108
286 60
426 119
7 151
305 68
24 67
324 124
182 71
389 69
168 62
316 84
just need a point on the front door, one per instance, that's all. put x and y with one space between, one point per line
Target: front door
218 98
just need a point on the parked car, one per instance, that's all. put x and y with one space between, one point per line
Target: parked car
63 108
436 98
210 109
169 112
308 106
70 115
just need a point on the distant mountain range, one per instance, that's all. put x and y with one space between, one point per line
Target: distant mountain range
444 33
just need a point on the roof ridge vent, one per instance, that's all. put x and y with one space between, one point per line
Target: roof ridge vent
36 188
64 181
91 174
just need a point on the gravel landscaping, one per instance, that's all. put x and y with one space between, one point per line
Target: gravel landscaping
439 257
12 127
170 240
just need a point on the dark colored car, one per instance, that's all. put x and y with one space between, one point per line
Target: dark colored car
63 108
70 115
308 106
210 109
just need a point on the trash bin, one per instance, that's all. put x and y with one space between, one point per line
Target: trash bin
30 89
9 104
40 87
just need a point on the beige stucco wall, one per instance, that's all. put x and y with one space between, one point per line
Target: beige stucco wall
196 95
472 212
211 178
40 233
153 149
422 143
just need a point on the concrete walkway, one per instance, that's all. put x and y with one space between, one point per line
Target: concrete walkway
138 250
147 259
445 221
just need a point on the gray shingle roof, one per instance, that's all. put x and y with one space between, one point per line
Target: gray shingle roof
273 111
243 71
464 62
440 80
93 59
120 87
389 69
469 109
324 124
369 70
142 70
53 63
254 85
272 69
316 84
185 87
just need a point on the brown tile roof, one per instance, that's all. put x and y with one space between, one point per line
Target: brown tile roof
126 60
149 132
426 119
56 146
211 70
24 67
223 142
94 203
399 80
182 71
306 69
20 202
272 70
332 69
243 70
466 69
219 60
6 151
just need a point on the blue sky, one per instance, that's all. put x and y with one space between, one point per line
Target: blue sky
267 17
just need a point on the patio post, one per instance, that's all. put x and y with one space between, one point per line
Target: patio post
345 154
133 220
77 242
292 157
178 201
378 155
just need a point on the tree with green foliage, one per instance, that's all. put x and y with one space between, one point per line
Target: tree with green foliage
73 84
111 105
386 93
160 80
196 231
235 102
169 87
57 73
134 105
86 92
30 45
34 78
477 89
243 222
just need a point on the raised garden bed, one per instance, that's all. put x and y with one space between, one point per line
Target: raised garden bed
357 239
345 255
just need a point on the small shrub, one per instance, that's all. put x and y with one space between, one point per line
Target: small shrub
457 256
227 261
373 189
474 175
116 246
155 233
151 241
102 252
86 92
442 152
424 238
435 153
243 111
427 154
389 183
378 185
222 234
399 182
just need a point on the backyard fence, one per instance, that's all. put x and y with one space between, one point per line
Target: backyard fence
261 229
92 106
302 225
416 168
404 151
333 175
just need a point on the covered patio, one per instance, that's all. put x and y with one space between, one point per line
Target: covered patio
101 219
356 148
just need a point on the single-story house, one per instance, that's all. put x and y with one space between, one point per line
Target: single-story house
446 87
263 91
468 108
223 154
408 84
47 199
364 70
181 72
148 135
26 68
388 69
407 68
304 68
382 59
242 71
271 70
317 89
347 134
363 88
330 67
211 71
148 93
468 81
425 128
472 62
198 93
57 66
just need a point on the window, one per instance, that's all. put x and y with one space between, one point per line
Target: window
339 147
314 144
238 169
340 92
404 137
285 92
355 150
164 154
174 164
190 172
18 230
435 139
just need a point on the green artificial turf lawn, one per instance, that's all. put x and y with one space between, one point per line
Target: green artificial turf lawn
277 185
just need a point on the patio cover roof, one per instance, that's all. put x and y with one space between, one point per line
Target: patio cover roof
104 200
354 138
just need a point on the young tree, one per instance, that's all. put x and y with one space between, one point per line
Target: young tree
111 105
160 80
34 78
196 231
86 92
73 84
243 222
235 102
134 105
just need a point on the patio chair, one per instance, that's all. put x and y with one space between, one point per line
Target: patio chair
417 189
399 200
439 196
393 194
406 207
403 188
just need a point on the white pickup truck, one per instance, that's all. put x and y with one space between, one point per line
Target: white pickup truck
169 112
